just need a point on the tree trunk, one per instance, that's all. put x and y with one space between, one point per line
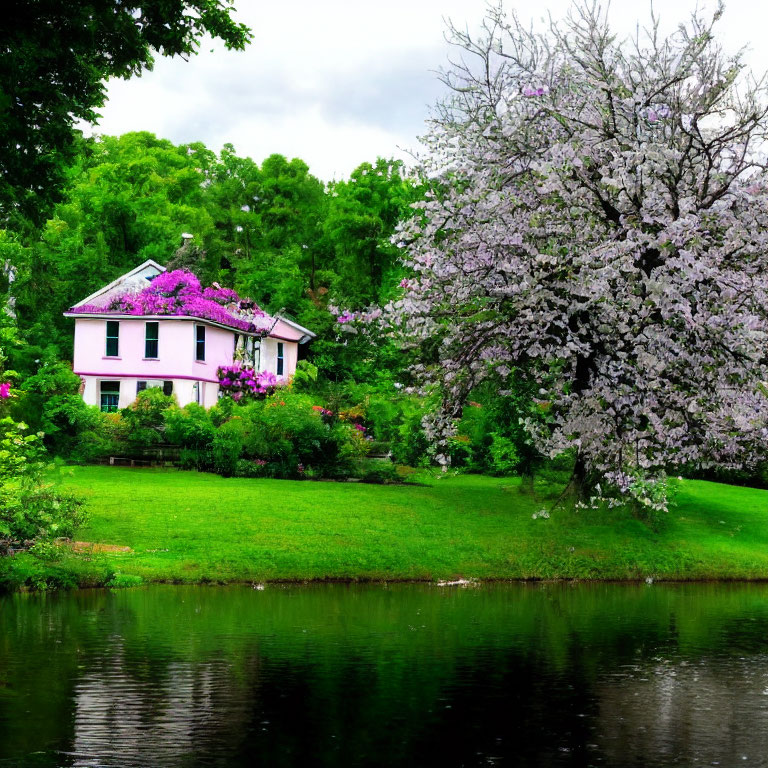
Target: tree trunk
580 484
526 482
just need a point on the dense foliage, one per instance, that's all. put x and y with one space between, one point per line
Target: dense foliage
270 231
32 510
55 61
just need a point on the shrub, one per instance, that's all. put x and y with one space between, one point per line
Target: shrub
109 437
305 376
31 511
192 428
379 472
253 468
51 403
491 436
144 417
396 419
290 436
227 446
504 456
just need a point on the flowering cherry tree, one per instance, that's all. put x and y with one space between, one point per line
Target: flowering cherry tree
598 220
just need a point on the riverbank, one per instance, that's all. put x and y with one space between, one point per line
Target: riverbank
150 525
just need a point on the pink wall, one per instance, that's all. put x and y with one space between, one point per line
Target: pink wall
283 331
176 349
176 357
268 356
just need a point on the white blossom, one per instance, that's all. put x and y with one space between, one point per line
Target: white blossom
606 232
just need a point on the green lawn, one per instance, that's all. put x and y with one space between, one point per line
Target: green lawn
189 527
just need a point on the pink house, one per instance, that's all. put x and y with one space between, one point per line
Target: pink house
137 332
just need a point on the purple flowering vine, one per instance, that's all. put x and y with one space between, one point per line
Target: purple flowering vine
179 293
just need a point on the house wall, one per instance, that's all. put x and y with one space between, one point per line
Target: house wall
176 350
175 361
268 360
183 389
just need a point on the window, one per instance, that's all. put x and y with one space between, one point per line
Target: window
140 386
200 343
279 358
197 392
110 396
167 387
113 338
151 340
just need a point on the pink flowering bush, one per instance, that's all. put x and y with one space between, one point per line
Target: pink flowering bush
238 382
179 293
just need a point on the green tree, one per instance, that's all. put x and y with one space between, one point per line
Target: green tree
363 214
128 199
273 216
56 59
51 403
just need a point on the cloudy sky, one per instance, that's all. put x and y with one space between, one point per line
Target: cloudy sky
340 82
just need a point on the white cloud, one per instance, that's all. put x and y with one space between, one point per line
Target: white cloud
335 83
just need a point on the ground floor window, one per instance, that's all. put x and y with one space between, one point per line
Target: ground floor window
110 396
167 387
140 386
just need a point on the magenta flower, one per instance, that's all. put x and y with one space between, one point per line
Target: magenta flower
235 380
180 293
5 390
346 317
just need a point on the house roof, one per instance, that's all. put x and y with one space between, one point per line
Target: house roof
124 281
307 335
135 281
125 316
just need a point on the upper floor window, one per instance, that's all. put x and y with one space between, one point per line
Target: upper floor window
110 396
279 358
200 343
113 338
151 340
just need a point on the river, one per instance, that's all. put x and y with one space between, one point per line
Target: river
376 675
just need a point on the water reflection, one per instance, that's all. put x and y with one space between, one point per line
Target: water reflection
411 675
708 710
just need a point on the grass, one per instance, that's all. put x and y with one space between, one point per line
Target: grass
190 527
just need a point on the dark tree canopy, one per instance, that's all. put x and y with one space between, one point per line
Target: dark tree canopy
55 58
